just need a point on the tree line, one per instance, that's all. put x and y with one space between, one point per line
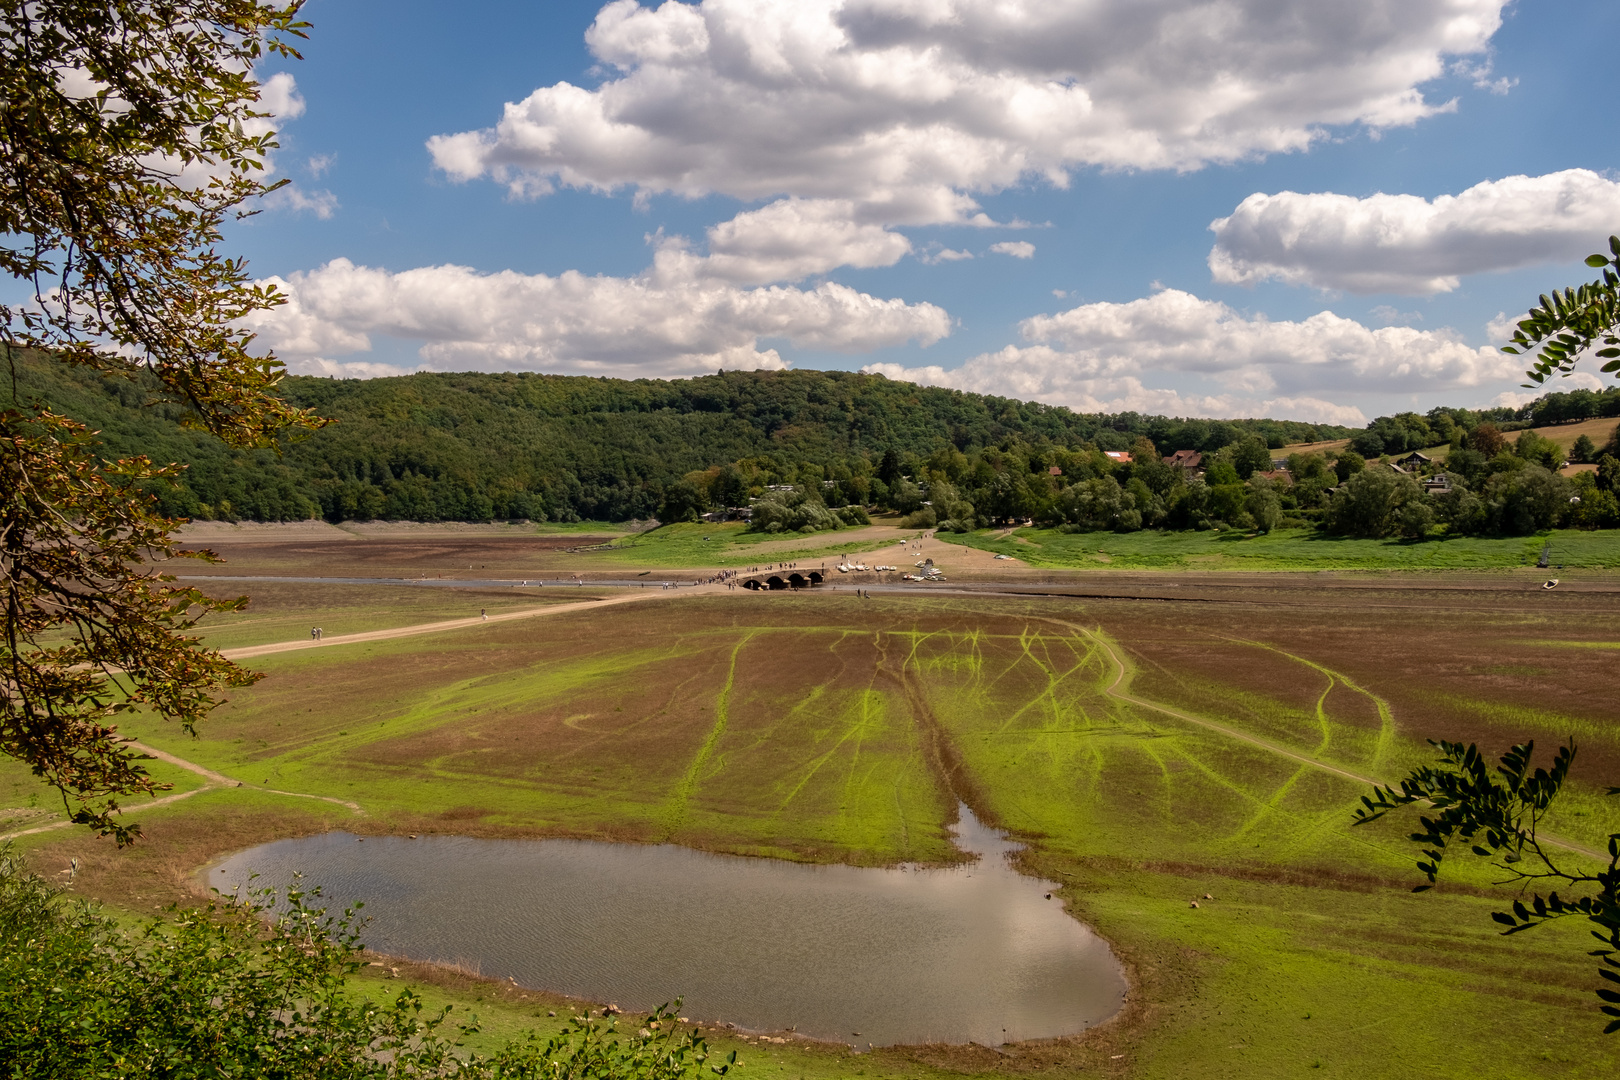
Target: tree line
471 447
808 451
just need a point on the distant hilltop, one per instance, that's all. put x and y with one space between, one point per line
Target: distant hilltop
471 447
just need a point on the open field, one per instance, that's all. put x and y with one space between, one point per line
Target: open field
1148 750
1598 430
1291 549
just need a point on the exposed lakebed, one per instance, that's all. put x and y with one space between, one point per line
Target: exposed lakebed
974 953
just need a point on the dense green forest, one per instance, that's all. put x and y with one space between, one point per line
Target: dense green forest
812 450
468 447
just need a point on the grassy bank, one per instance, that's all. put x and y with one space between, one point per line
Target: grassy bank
1290 549
729 543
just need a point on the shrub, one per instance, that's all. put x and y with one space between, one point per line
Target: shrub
1368 504
1544 452
1263 505
1415 519
793 511
1598 509
1526 501
1098 503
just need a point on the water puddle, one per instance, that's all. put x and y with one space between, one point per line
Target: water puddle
974 953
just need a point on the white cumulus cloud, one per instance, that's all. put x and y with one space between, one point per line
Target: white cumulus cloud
662 324
1094 357
794 238
1410 245
909 108
1018 249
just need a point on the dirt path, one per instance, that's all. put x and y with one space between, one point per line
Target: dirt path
166 800
214 780
1123 672
250 651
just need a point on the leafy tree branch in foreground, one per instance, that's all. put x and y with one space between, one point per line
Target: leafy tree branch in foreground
130 131
1569 322
1497 813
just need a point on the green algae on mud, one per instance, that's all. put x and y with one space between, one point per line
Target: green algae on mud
827 728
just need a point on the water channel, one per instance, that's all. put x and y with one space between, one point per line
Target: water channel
974 953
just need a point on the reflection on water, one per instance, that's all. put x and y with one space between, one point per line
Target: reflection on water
968 954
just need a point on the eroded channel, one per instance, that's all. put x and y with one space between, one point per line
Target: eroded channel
975 953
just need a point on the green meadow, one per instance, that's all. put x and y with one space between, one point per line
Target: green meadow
1291 549
727 543
833 729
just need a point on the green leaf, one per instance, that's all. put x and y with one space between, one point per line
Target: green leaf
1596 261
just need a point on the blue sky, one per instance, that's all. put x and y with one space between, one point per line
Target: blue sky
759 183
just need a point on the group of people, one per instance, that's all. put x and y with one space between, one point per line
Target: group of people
724 577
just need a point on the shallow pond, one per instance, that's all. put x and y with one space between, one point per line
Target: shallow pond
974 953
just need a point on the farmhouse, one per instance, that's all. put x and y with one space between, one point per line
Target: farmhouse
1190 462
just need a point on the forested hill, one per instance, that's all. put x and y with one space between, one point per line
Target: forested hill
473 446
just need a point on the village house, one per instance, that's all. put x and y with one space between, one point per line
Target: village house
1414 462
1118 457
1190 462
